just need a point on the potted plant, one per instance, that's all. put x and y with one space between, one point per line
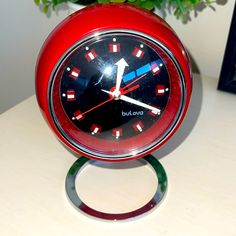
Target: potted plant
180 8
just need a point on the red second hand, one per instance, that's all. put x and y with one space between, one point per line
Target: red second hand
100 104
112 98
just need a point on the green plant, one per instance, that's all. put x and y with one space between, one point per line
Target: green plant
180 8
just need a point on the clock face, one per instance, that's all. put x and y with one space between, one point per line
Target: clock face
115 95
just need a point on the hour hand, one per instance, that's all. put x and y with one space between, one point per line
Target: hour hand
121 64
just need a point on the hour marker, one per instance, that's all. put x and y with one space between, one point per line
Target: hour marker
95 129
138 52
70 95
160 90
155 68
154 112
78 115
114 47
138 126
74 72
117 132
114 39
91 55
68 69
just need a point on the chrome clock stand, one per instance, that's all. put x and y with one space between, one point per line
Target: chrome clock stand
79 204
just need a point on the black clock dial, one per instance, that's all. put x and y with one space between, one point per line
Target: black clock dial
114 87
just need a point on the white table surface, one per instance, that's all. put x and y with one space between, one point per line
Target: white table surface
200 162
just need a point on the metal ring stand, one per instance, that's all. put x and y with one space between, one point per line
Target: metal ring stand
158 196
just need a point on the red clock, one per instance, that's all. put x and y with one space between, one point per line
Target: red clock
113 82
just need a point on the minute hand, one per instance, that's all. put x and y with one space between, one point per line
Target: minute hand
138 103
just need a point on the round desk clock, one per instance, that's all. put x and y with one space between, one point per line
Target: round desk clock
113 82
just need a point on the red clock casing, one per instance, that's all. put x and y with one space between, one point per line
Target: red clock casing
105 18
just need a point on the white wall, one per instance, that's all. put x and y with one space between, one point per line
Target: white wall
205 37
23 29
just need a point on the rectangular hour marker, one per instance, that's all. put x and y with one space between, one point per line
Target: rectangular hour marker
138 126
154 112
70 95
95 129
90 55
74 73
114 47
138 52
117 133
160 90
155 68
78 115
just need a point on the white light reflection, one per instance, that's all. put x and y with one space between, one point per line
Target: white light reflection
108 71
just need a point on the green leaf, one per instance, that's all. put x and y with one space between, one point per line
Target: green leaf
158 4
117 0
45 9
73 1
54 3
208 3
194 1
181 8
60 1
37 2
148 5
103 1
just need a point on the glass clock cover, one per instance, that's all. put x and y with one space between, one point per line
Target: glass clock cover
113 88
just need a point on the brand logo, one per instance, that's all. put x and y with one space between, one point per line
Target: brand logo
132 113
